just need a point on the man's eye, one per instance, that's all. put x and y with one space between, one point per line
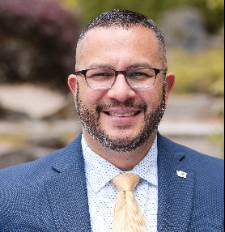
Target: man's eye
101 76
100 73
138 75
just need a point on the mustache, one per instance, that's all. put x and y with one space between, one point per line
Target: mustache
128 104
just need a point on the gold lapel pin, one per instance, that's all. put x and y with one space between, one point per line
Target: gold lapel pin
182 174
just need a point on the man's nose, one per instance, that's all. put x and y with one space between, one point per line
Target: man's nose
121 90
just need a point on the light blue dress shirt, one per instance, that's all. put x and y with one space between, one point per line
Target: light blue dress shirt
102 195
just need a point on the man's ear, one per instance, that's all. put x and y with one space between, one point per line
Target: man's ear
72 83
170 79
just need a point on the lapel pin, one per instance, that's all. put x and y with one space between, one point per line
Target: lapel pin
182 174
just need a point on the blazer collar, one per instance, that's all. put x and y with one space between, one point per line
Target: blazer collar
176 188
67 191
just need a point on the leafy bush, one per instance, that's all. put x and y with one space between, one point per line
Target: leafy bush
70 4
201 72
37 41
153 9
213 10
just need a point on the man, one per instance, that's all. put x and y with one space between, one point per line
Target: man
120 175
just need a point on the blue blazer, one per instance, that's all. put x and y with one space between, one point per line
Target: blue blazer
50 194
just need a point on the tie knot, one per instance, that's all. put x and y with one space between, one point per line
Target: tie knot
126 182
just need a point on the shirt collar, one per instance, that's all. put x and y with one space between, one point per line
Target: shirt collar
99 172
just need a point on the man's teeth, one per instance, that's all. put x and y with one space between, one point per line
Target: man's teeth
127 114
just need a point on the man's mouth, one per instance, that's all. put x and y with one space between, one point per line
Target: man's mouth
122 113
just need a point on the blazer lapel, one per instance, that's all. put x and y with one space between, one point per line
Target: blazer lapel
67 191
68 199
176 188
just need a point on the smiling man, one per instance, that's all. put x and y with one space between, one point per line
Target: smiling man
121 91
119 175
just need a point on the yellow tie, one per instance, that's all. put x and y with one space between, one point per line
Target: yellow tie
127 215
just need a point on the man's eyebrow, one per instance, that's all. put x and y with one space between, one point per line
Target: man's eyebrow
139 65
100 65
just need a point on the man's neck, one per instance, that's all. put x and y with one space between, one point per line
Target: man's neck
123 160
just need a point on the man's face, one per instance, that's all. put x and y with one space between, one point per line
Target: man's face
120 118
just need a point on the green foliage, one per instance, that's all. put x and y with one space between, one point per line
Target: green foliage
148 7
201 72
70 4
213 10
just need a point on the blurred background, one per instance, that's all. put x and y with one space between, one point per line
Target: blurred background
37 46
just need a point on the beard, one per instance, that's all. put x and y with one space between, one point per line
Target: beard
90 122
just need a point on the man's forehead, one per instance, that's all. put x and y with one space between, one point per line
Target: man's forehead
120 44
119 32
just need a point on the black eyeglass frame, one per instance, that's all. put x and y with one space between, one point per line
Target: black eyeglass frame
124 73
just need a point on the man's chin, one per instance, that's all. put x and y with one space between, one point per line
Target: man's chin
122 137
120 143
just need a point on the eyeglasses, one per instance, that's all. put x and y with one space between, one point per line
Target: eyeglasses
104 78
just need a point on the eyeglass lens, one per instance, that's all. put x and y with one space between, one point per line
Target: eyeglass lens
100 78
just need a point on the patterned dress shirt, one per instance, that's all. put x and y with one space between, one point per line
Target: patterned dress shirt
102 195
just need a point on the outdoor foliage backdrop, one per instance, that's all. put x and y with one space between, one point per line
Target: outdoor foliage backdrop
37 48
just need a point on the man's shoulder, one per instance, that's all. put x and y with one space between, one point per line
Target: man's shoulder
30 171
201 187
40 169
202 164
24 188
206 173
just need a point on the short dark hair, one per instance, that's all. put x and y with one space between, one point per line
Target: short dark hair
123 18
